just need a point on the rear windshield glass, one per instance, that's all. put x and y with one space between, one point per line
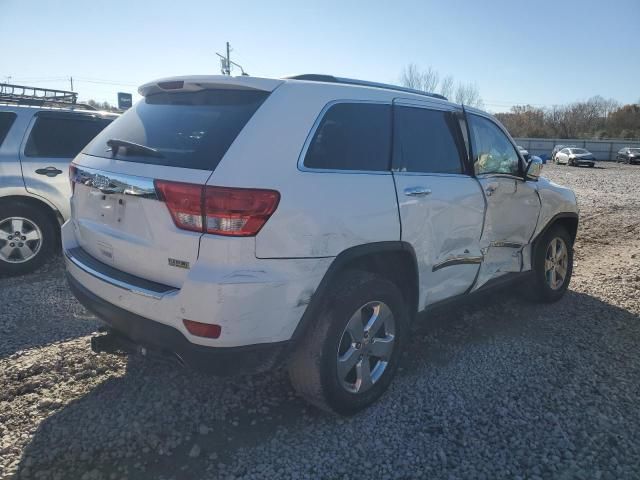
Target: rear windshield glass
180 129
578 150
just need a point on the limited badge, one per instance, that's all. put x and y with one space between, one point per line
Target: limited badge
178 263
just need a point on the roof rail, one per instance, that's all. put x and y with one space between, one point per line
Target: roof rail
315 77
35 96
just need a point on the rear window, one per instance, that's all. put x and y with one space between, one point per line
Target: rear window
6 120
352 136
62 135
185 129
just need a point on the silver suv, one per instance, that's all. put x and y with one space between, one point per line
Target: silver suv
40 132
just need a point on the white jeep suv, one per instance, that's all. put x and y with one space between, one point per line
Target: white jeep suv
237 223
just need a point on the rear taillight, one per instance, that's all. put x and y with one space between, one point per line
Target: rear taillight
184 201
72 176
239 212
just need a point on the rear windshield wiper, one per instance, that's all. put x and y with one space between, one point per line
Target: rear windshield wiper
143 150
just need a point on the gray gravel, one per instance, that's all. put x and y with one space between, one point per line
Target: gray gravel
498 389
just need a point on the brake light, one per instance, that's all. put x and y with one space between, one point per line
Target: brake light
72 177
239 212
208 330
184 201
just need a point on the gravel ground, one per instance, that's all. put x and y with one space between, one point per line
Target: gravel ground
497 389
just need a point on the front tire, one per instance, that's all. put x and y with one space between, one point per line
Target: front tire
27 238
349 356
552 265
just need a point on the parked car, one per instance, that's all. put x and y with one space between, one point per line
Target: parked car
524 152
207 240
37 144
556 149
629 155
575 157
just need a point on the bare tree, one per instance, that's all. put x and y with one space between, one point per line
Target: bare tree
446 86
468 94
429 80
413 77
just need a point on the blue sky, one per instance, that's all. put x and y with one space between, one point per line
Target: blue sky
540 52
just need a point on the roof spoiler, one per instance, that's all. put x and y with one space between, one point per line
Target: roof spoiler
195 83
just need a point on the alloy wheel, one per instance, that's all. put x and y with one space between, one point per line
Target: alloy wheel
556 263
365 347
20 240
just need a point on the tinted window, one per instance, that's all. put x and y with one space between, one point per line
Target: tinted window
6 120
187 129
493 151
352 136
427 141
62 135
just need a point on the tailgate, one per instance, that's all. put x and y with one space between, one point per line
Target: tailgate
120 221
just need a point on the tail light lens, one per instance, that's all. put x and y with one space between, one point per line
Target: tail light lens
239 212
184 201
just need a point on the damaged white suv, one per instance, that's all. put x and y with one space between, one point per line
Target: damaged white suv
237 223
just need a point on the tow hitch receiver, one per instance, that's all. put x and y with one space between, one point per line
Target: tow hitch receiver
113 343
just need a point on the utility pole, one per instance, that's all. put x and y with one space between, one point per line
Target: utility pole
71 82
226 63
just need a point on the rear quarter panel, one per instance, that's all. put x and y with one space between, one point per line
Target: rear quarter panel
320 214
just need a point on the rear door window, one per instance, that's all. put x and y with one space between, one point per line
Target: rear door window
426 141
352 136
179 129
62 135
6 120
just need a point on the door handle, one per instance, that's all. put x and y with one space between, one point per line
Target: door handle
417 191
49 171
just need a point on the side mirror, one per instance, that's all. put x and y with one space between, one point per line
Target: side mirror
534 168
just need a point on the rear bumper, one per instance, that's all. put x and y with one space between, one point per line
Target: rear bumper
254 301
165 340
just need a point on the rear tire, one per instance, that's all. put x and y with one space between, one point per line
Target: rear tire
552 265
23 253
340 365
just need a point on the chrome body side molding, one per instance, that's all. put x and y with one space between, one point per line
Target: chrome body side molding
458 260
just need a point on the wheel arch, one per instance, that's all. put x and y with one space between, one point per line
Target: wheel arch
396 260
568 220
54 215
